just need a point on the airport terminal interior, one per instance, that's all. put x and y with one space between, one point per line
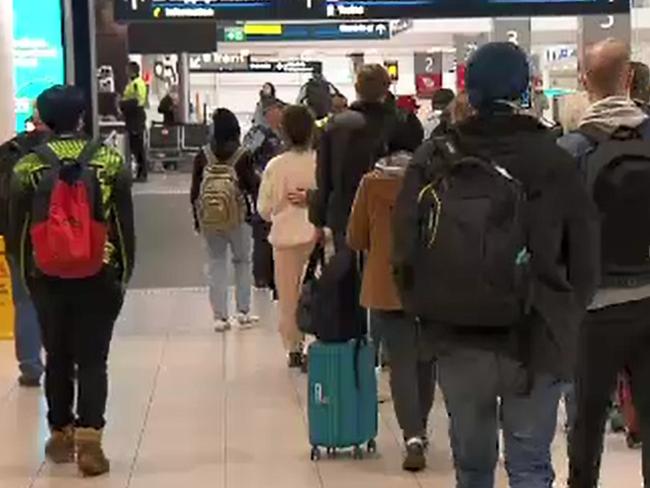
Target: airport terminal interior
191 407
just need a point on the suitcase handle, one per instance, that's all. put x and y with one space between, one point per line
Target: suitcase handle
318 394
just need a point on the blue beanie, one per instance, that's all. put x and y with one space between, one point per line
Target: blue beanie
496 71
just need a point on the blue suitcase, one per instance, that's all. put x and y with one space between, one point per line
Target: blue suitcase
342 397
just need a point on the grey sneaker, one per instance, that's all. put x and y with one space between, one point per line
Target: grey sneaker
414 460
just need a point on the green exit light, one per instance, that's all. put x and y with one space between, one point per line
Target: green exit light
235 34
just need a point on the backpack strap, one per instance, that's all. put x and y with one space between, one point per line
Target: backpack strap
47 155
89 152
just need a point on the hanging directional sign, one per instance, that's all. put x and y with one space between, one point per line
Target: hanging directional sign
323 31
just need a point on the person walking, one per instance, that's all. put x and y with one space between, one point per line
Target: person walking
412 368
500 346
612 151
73 194
224 184
26 328
292 235
133 105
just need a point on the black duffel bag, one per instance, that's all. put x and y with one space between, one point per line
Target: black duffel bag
329 304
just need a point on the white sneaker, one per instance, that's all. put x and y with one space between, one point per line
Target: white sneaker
245 321
221 325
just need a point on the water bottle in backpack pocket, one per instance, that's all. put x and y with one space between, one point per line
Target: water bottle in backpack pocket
68 222
469 248
221 205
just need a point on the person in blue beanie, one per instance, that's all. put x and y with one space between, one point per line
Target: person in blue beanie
509 373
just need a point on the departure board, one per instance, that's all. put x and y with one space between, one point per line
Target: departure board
215 10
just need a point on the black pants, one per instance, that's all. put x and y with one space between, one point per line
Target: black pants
136 146
612 339
77 319
263 263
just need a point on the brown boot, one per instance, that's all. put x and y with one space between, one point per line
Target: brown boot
90 455
60 446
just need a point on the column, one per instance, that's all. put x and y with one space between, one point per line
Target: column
513 30
7 117
184 89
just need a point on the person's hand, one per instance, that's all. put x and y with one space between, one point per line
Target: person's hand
298 197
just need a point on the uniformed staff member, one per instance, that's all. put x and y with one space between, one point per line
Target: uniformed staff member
133 104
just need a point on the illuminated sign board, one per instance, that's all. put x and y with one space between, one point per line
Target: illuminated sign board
214 10
319 31
237 63
39 60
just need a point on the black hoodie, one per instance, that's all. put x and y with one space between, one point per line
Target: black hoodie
563 237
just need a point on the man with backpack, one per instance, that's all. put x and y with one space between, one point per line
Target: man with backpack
496 254
71 228
27 329
612 149
318 95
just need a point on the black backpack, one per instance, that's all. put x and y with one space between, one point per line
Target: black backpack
318 97
617 173
468 260
11 152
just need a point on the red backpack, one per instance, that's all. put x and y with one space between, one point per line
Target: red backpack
69 229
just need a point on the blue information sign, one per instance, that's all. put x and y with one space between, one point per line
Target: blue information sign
39 60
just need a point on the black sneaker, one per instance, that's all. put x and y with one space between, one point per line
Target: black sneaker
295 360
415 460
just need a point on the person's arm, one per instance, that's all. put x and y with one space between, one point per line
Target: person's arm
319 199
195 189
358 235
265 197
124 221
19 208
247 177
582 238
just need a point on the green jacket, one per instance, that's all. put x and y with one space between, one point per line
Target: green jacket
115 181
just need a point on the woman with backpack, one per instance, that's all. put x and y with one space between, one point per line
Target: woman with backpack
412 369
224 186
292 235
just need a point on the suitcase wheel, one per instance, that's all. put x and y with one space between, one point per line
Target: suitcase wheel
315 453
331 452
372 446
357 453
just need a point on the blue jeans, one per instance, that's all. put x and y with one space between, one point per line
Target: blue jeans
239 241
472 381
27 328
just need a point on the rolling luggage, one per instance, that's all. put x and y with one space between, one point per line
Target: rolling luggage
342 397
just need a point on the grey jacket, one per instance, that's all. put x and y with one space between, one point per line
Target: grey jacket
608 114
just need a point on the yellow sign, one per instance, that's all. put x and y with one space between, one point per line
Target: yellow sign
263 29
7 312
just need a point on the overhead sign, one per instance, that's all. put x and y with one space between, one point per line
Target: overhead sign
39 60
324 31
174 10
428 73
228 63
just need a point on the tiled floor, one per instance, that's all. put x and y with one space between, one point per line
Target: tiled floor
190 408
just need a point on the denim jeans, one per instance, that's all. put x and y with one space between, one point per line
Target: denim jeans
239 241
412 369
27 329
472 382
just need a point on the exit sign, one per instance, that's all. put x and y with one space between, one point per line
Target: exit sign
235 34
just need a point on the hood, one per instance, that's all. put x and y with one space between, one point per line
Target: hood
395 164
613 112
495 134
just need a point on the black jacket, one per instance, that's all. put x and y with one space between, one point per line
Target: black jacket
563 238
352 142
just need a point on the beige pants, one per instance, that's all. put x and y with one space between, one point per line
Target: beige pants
290 265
